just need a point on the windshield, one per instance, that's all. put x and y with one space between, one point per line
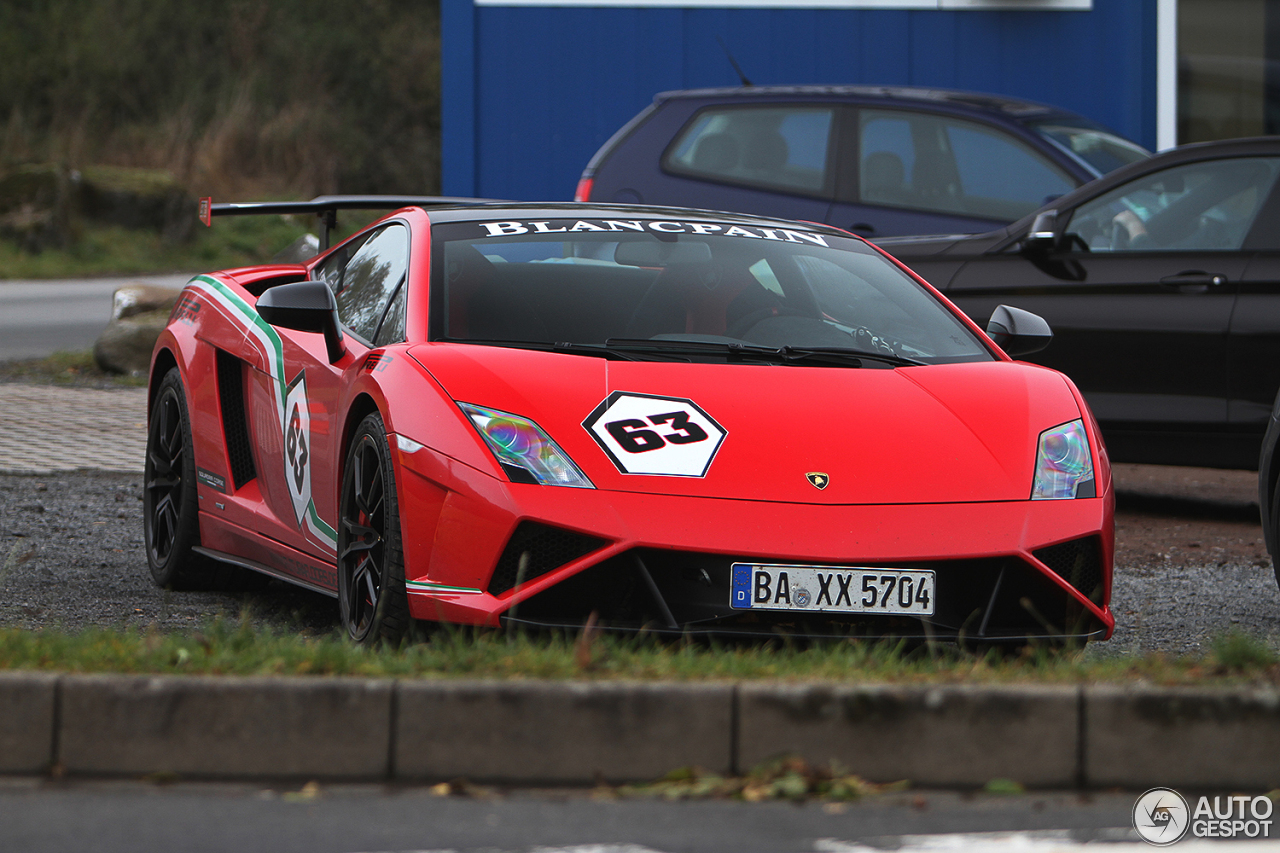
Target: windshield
1099 150
553 283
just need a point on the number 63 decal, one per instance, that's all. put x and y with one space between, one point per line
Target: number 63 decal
647 434
633 436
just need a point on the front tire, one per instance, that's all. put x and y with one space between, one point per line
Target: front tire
171 528
372 601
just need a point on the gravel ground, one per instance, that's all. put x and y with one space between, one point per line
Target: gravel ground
72 555
1190 562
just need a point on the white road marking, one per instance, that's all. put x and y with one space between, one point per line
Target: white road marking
1038 841
580 848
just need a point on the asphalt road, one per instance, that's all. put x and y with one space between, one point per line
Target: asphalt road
38 318
118 817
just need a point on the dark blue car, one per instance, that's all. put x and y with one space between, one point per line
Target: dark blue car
878 161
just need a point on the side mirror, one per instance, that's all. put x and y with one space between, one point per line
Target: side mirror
1018 332
1043 235
305 306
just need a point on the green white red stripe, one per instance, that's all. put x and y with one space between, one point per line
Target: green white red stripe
239 312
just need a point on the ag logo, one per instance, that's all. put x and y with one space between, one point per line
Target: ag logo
818 479
1161 816
644 434
297 445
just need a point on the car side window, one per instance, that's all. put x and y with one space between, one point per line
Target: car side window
330 270
392 329
1208 206
371 279
954 166
771 147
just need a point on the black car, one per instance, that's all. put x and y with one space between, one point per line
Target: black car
878 161
1161 282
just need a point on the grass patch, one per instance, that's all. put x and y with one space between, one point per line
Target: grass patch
237 647
112 250
66 368
1239 651
233 241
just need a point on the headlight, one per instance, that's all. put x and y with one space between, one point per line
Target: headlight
525 452
1064 466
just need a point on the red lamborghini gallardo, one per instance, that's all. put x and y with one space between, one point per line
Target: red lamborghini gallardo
679 420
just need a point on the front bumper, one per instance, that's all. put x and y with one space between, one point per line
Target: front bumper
499 551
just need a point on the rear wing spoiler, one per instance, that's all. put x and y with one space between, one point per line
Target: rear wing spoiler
326 207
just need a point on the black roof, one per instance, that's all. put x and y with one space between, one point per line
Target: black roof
1013 107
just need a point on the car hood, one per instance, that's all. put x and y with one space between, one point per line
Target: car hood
931 434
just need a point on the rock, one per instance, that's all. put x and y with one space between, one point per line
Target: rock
125 344
142 298
139 312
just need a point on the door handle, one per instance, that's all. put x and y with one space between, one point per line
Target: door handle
1194 279
863 229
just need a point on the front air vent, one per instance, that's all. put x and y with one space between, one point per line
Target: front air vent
1079 563
547 549
235 419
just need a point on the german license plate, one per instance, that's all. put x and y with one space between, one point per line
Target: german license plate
839 589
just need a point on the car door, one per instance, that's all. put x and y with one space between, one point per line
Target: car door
302 490
1139 288
912 172
1253 341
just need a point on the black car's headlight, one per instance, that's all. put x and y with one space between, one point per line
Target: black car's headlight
1064 465
525 452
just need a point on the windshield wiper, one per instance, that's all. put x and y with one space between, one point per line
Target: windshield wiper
730 349
607 352
836 356
794 354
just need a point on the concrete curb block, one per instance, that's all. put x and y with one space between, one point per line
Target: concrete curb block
28 712
560 732
1191 737
943 736
539 732
225 727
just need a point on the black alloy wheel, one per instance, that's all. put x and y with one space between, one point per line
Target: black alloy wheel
372 600
169 512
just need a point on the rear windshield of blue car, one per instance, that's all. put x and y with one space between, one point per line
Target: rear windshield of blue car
592 281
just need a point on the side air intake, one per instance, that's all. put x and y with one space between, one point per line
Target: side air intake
235 419
547 549
1079 563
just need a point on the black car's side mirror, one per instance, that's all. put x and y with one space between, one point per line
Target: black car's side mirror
304 306
1043 235
1018 332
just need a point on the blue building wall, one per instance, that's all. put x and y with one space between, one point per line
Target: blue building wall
530 93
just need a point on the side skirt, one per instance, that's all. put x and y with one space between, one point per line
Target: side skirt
245 563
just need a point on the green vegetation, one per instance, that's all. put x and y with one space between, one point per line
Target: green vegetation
289 97
120 113
65 368
1239 651
108 250
237 647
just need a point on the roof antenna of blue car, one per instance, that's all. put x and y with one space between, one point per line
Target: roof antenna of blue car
734 63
